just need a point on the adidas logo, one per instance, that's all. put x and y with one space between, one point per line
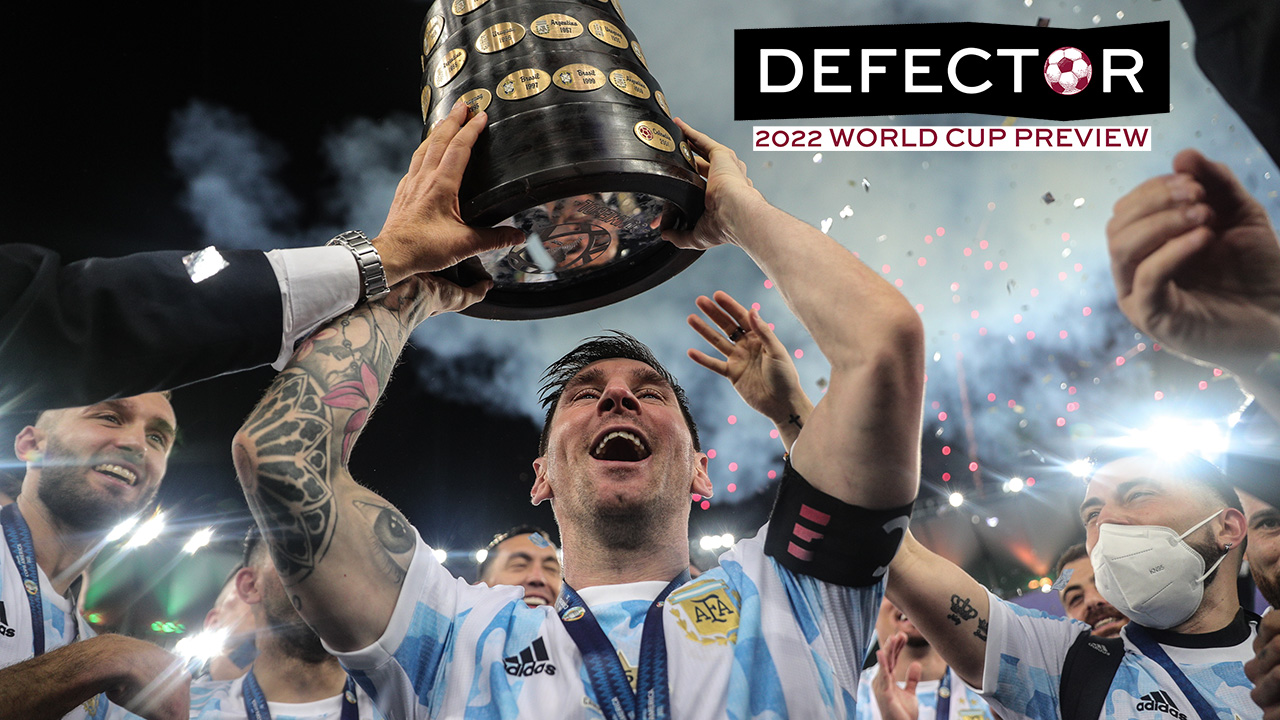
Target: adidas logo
1159 701
533 660
5 630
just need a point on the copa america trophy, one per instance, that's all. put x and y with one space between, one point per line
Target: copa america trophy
580 151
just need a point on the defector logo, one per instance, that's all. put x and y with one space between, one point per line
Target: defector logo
1006 70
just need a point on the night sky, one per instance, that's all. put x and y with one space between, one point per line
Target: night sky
121 118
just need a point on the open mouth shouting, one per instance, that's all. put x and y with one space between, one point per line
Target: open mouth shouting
620 445
119 473
1107 623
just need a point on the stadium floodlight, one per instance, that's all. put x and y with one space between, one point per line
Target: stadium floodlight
200 539
149 530
956 499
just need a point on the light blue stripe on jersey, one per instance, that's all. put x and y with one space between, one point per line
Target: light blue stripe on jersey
493 694
426 651
754 674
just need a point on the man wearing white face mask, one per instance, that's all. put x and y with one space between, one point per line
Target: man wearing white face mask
1165 538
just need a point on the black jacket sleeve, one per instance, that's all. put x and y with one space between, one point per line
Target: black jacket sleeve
1238 48
79 333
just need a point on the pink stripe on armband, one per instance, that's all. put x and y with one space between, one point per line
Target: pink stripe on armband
799 553
816 516
805 533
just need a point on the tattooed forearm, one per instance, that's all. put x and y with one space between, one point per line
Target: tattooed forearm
961 610
391 539
981 632
301 434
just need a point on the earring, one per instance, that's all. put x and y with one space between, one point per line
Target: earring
1228 547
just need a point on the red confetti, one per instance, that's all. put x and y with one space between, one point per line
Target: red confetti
1071 390
696 497
768 284
1204 385
1078 267
733 467
1062 421
987 265
711 453
1031 481
991 397
1004 265
774 433
928 239
799 353
919 307
1035 292
1013 403
973 467
1017 317
1066 237
968 252
733 487
942 417
982 331
773 474
973 314
898 282
1159 395
941 231
946 449
705 505
770 326
946 477
1062 334
920 262
1217 372
983 244
1073 406
1031 335
1155 346
755 306
733 419
884 269
1119 361
936 405
1087 311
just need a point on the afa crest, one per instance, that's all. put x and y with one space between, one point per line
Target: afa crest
707 611
91 706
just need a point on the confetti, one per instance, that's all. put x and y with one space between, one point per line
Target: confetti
1047 198
866 184
826 225
846 212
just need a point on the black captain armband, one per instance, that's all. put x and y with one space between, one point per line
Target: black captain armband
812 533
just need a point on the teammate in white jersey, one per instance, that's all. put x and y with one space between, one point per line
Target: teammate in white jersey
292 677
524 556
778 630
1078 591
88 468
1165 538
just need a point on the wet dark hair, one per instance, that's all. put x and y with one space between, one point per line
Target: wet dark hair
616 345
1187 467
504 536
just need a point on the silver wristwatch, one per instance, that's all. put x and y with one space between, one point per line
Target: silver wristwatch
372 275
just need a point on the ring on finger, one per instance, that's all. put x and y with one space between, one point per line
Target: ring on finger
737 334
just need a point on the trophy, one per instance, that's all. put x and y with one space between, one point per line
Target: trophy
580 152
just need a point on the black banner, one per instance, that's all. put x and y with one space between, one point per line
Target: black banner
951 68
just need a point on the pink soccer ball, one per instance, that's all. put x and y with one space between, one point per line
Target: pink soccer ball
1068 70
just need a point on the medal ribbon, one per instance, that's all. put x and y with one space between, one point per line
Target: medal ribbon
255 703
1143 641
651 699
21 547
944 697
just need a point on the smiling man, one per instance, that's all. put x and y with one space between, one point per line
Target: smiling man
524 556
88 468
1080 596
778 629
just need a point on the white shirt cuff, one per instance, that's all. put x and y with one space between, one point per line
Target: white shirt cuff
316 284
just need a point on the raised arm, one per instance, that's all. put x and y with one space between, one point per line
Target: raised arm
342 550
951 609
1196 266
862 442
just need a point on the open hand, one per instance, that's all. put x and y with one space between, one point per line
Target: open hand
896 703
756 362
